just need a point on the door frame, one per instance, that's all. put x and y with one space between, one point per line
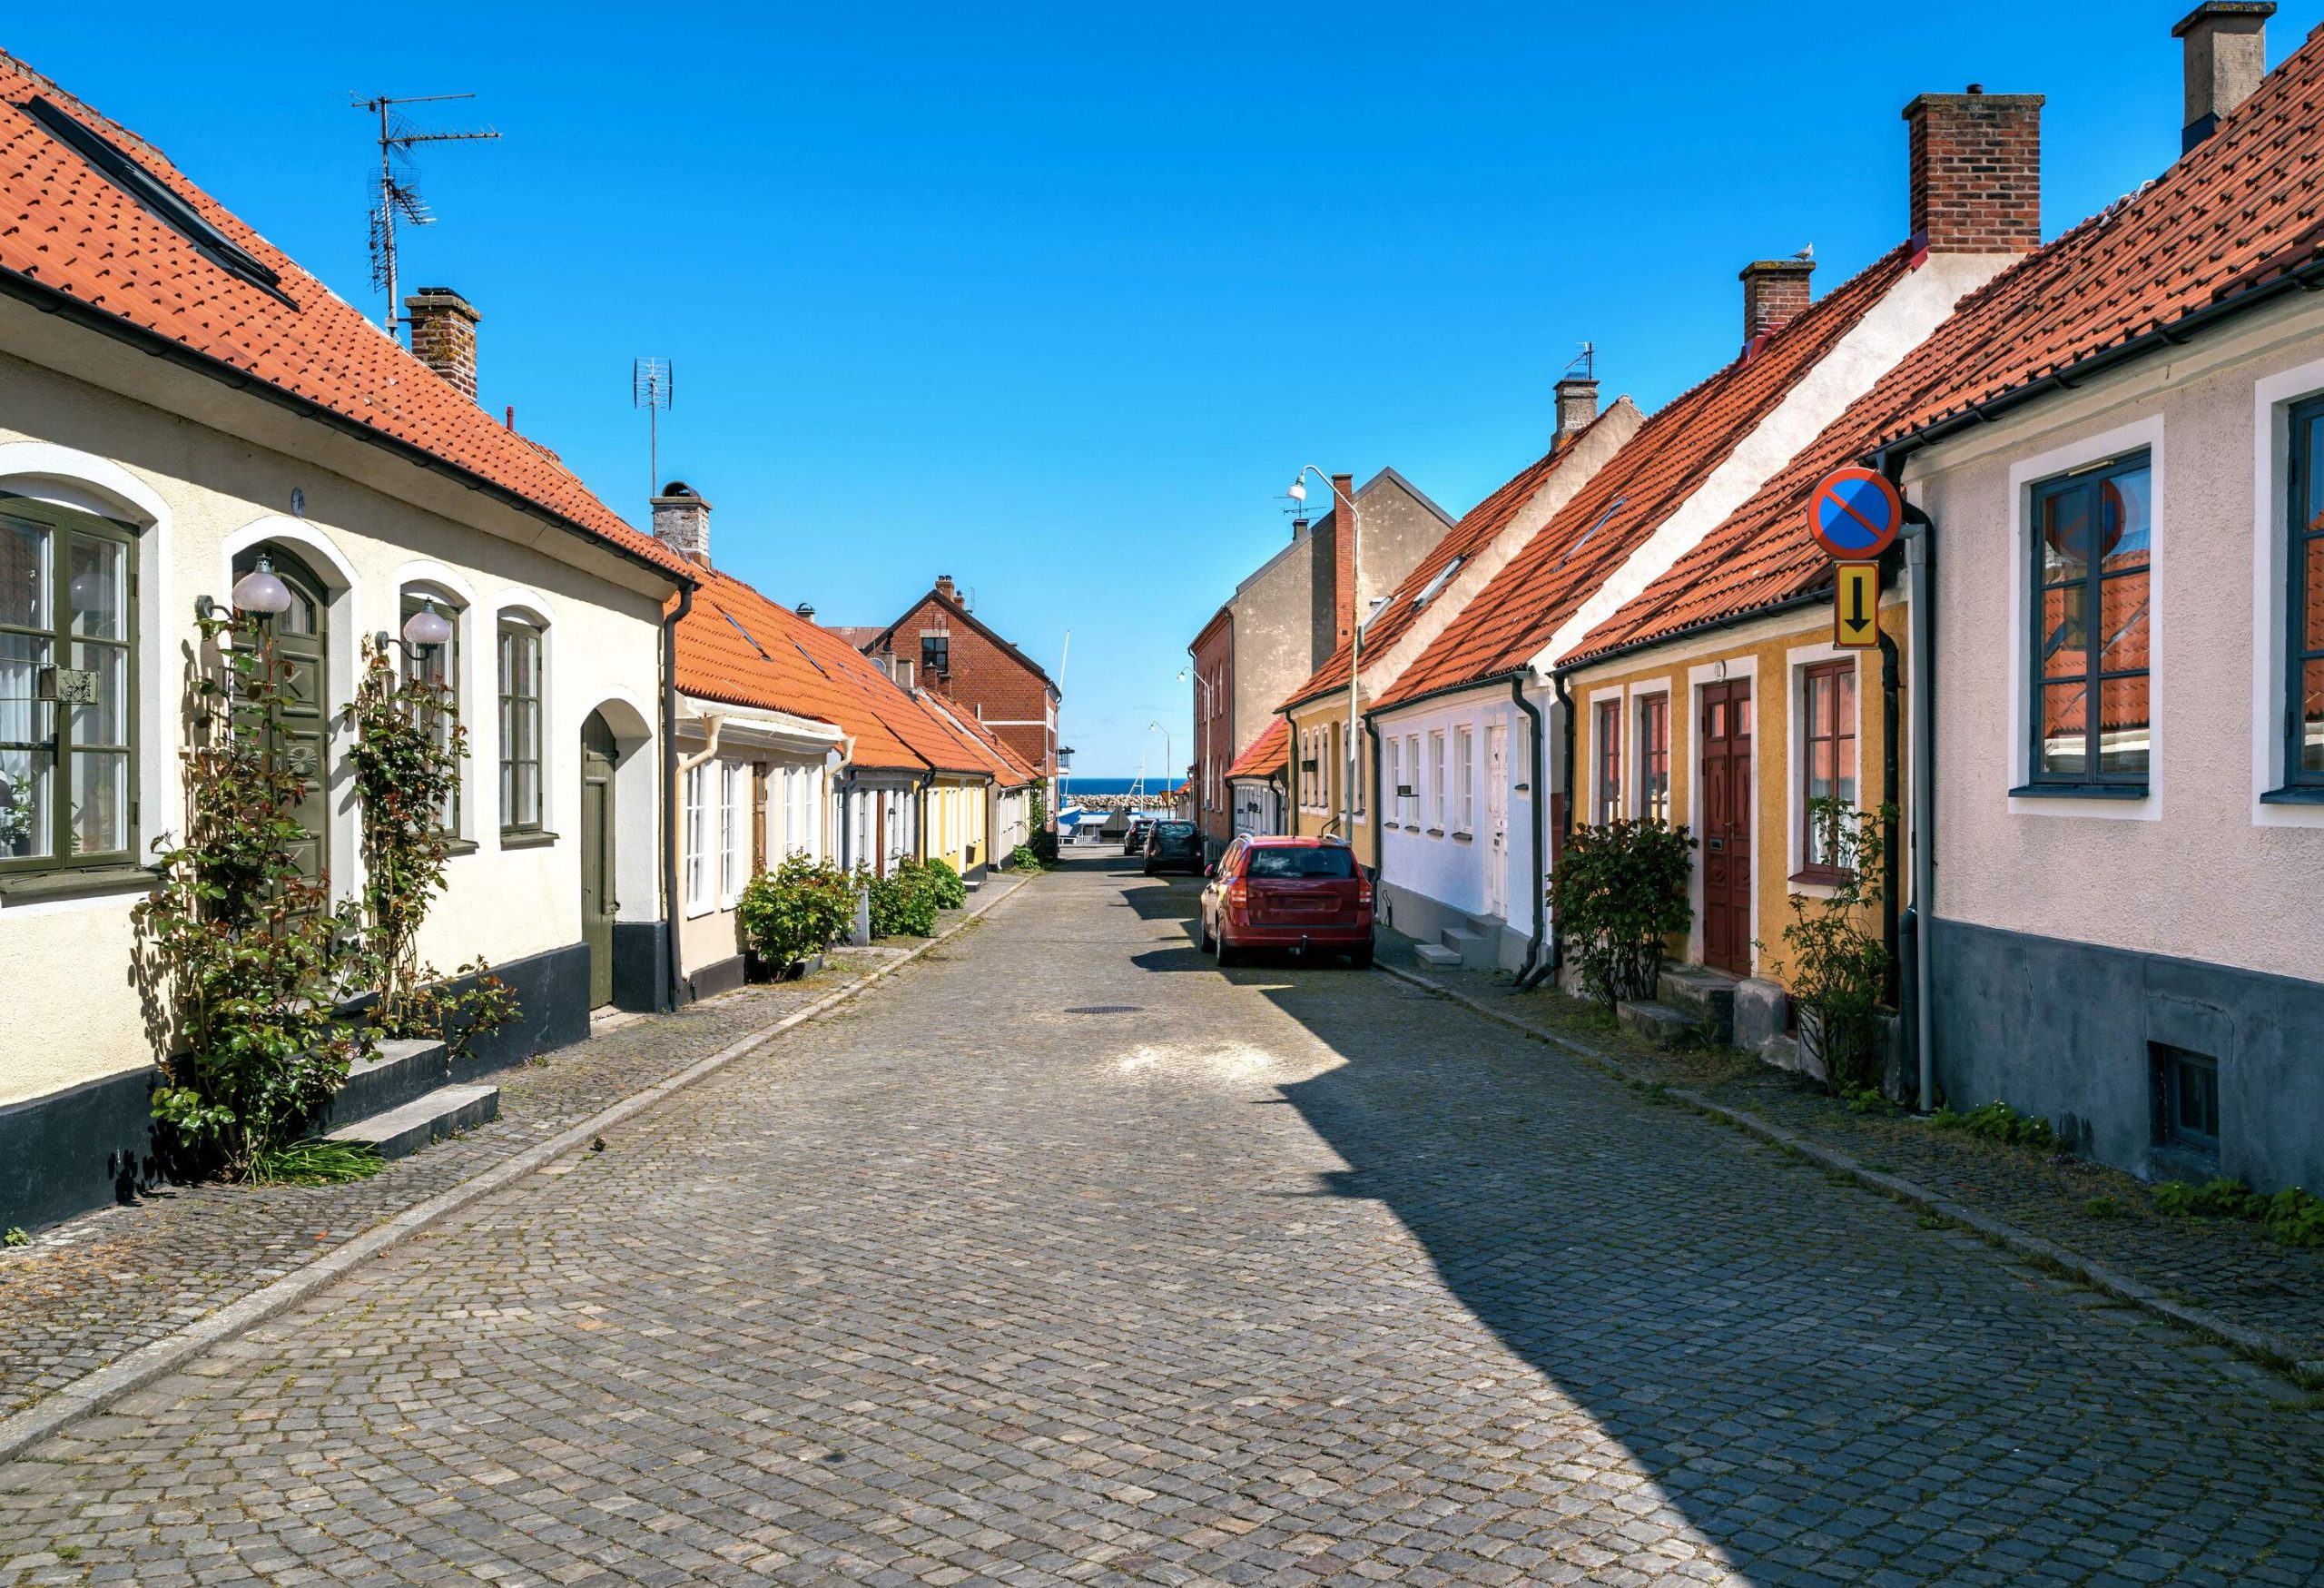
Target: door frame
607 846
1700 679
1496 819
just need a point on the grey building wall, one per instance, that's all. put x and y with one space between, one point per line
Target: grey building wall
2067 1032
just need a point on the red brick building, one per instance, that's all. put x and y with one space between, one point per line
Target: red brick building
938 644
1215 738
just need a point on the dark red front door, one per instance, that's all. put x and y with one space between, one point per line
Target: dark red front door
1726 827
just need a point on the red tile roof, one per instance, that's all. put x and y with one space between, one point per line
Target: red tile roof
740 648
2234 215
1673 452
1009 770
1476 530
68 229
1269 754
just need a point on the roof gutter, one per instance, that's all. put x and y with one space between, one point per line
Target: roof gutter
64 306
2308 278
1487 681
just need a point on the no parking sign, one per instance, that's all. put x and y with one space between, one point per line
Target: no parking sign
1854 515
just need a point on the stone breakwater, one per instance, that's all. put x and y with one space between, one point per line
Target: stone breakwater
1116 801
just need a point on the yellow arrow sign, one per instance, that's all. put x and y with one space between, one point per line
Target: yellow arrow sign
1856 606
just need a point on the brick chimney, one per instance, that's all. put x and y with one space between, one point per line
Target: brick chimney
1977 172
1344 527
682 522
443 335
1774 294
1576 405
945 587
2227 54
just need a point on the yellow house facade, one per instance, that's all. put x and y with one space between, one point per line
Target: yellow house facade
1319 777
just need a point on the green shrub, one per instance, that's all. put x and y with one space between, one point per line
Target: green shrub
797 910
2292 1216
903 903
1024 859
1839 969
2103 1207
1619 890
2295 1218
951 893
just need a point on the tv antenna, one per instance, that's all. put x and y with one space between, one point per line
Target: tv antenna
1585 362
398 193
651 385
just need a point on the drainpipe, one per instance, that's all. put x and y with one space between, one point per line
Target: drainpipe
1535 966
1890 934
1919 537
670 622
1379 832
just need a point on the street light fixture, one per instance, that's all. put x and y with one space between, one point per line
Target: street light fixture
1298 493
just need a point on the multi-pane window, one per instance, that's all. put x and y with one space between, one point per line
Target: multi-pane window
520 725
935 655
1608 741
1828 758
1412 776
2304 609
1654 757
1464 779
734 830
438 665
67 673
1436 781
696 838
1394 749
2091 626
2187 1088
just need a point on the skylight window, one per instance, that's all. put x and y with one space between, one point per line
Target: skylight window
156 195
1436 586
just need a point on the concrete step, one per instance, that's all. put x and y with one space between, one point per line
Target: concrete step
1438 955
402 1131
404 1069
1703 994
1474 948
1659 1025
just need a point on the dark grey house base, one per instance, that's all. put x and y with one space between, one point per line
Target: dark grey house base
2077 1033
723 976
640 966
81 1148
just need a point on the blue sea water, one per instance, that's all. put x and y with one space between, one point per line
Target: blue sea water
1109 785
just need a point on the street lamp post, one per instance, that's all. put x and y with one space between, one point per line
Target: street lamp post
1355 631
1158 728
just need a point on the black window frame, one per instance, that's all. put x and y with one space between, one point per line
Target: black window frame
2297 782
2092 781
2173 1068
935 655
63 525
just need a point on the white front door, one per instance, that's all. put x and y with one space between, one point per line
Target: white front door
1497 820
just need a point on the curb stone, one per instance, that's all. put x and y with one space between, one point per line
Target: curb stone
2262 1345
93 1392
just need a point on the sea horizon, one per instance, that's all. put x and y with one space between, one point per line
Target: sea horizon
1077 785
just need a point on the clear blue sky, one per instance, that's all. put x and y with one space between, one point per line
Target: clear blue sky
1056 300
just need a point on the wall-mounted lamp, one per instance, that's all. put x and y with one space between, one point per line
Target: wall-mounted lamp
260 591
427 626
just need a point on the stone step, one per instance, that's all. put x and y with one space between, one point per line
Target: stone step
404 1069
1474 948
402 1131
1702 995
1438 955
1659 1025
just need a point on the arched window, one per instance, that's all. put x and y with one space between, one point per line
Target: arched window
68 688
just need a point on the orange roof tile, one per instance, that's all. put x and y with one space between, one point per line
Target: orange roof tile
1476 530
2212 226
1269 754
1673 452
68 229
1008 769
739 648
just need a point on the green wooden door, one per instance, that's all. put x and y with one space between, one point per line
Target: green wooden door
300 741
598 905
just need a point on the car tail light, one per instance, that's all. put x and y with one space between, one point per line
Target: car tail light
1238 892
1363 894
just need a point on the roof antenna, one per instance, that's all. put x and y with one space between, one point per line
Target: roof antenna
399 195
652 384
1585 363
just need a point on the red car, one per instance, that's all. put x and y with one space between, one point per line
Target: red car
1286 894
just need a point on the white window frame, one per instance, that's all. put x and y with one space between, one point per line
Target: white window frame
1395 804
1436 782
733 815
2272 400
1464 779
697 839
2023 475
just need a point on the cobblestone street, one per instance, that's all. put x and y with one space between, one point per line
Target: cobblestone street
1062 1257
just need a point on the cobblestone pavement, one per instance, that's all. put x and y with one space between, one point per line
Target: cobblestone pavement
88 1292
2227 1267
1066 1259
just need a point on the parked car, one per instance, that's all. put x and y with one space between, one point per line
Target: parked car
1134 840
1172 846
1303 894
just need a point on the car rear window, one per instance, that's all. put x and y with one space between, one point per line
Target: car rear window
1177 829
1328 861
